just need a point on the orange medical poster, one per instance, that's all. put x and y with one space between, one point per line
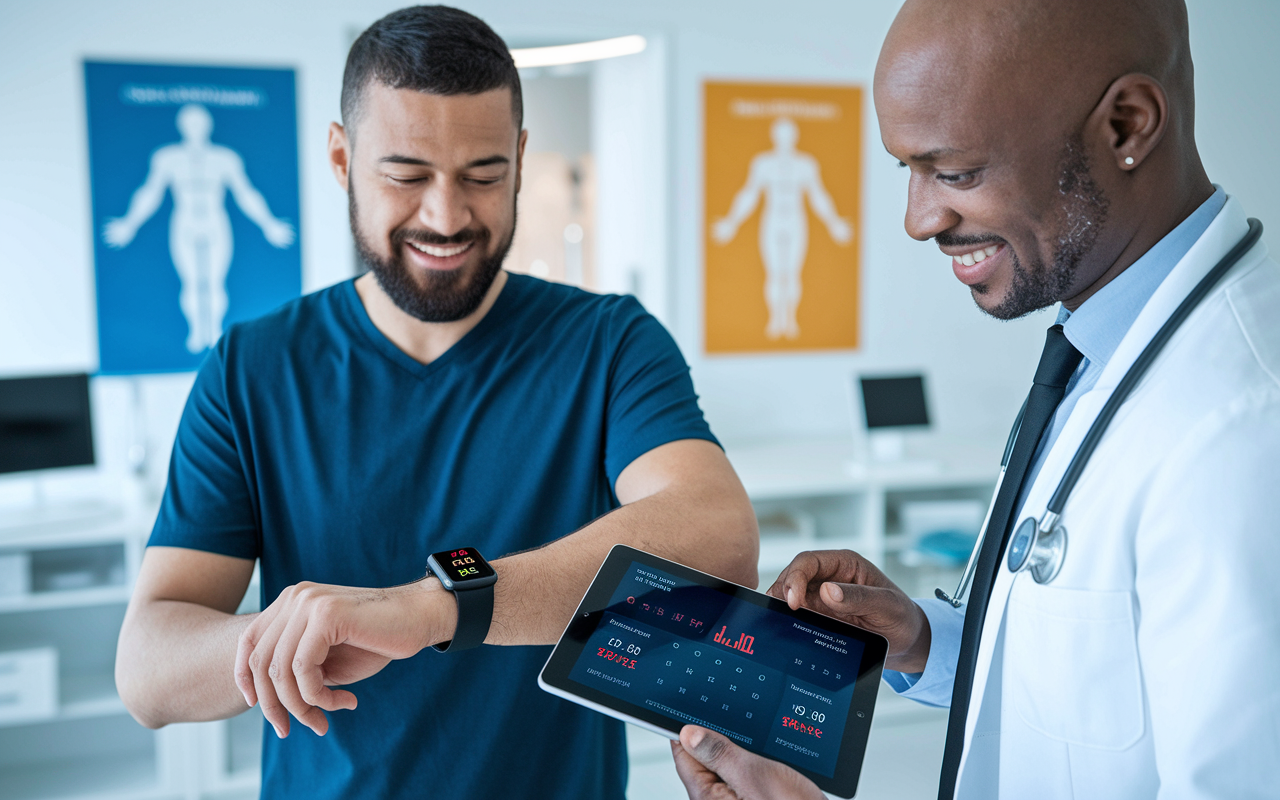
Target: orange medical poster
781 238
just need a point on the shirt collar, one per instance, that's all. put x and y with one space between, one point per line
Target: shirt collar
1098 325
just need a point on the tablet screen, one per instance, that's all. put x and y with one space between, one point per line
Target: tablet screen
777 682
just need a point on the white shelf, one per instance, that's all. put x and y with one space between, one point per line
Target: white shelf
102 777
114 527
74 516
85 696
75 598
81 697
90 747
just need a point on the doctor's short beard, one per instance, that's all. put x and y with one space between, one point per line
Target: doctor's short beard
443 296
1081 215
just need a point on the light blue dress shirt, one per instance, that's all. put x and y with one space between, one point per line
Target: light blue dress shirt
1095 329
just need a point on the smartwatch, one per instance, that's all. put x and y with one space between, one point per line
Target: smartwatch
465 573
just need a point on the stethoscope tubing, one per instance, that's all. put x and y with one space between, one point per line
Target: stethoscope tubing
1145 359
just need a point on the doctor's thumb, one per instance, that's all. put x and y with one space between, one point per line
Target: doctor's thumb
853 598
710 749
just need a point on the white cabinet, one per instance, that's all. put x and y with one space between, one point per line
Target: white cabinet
28 684
70 582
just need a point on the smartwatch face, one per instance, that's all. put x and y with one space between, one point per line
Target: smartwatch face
463 565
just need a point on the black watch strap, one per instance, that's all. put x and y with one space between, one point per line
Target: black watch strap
475 612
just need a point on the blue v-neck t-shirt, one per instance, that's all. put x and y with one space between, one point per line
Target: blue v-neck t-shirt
312 443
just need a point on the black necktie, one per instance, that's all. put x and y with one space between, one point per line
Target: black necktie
1057 363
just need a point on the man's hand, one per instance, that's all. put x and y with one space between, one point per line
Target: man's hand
844 585
315 636
714 768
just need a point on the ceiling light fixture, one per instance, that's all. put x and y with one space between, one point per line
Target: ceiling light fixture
577 53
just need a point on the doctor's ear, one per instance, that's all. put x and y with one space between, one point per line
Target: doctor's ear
1131 118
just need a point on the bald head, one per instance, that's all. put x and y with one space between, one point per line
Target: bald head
1073 119
1050 59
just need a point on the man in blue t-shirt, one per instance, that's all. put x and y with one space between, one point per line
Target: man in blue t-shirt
434 403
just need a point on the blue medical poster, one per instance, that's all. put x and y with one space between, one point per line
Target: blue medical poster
194 178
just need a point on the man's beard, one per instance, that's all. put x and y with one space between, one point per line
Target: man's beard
447 296
1082 215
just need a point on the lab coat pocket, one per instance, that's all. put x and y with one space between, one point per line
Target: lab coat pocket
1073 664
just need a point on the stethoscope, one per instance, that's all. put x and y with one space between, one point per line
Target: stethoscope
1040 546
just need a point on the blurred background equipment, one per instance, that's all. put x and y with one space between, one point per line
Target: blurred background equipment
940 532
45 423
892 406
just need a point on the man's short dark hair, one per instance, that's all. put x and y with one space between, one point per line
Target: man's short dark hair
434 49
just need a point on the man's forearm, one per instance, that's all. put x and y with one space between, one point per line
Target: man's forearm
680 500
175 662
538 591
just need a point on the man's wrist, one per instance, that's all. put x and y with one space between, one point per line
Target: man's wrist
437 609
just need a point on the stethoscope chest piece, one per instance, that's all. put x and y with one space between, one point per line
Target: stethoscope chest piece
1040 547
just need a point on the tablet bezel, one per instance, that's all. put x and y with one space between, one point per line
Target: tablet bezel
555 679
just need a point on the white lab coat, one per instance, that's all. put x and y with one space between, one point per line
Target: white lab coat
1150 666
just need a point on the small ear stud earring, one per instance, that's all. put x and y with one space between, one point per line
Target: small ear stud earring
1128 160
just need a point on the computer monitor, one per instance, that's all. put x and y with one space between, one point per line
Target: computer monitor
894 402
45 423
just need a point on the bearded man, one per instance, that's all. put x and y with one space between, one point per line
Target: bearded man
434 407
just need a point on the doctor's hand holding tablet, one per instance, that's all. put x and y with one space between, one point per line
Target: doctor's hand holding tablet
839 584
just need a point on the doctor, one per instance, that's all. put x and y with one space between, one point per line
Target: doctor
1051 153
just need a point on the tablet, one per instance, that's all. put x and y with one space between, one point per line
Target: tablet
660 645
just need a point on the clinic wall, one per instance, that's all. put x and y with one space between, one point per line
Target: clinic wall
47 319
914 315
1233 45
